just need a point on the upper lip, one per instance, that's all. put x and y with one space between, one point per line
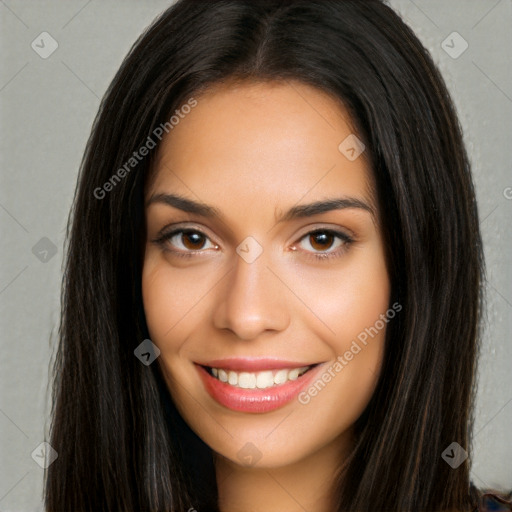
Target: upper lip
240 364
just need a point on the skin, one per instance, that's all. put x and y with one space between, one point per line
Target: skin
253 150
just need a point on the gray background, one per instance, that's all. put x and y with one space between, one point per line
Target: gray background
47 107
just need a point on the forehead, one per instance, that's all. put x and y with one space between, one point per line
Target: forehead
266 143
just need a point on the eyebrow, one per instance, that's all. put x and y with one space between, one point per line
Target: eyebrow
295 212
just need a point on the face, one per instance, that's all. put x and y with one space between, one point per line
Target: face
243 282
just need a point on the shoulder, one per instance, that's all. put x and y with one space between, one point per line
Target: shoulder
488 500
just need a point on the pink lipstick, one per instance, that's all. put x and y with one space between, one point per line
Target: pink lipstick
255 385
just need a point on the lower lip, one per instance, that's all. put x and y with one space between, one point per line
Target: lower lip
255 400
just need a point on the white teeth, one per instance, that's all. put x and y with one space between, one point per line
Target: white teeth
281 377
247 380
294 374
233 378
264 380
260 380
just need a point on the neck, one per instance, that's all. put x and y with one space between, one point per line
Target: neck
306 484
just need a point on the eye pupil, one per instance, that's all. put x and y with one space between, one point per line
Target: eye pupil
321 238
194 238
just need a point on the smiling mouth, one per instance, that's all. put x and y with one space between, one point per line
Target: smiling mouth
258 380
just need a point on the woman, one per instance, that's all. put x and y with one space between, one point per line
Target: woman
274 276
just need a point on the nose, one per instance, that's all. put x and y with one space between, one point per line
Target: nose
252 300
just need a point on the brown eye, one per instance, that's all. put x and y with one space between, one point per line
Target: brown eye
325 243
321 240
193 240
185 242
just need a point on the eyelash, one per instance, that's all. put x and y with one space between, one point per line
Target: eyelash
346 239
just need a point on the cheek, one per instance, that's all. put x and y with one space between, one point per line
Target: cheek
158 301
353 303
348 299
165 308
170 297
168 307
